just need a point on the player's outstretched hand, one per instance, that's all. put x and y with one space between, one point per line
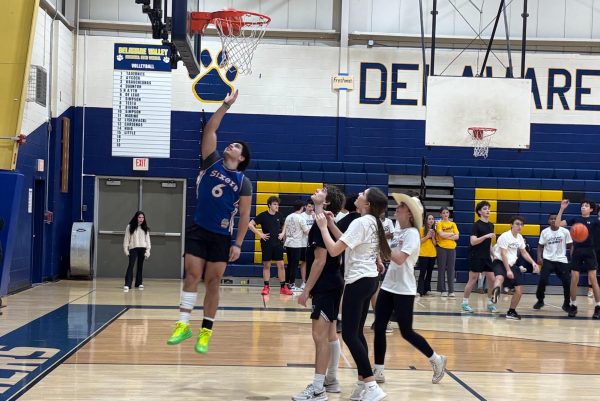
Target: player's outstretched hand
231 98
564 204
234 253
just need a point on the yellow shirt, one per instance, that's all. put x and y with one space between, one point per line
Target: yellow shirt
447 227
427 247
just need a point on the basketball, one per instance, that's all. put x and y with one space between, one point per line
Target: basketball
579 232
232 26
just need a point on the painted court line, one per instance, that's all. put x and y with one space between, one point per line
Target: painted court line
466 386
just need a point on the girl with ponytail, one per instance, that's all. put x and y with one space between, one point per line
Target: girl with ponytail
364 242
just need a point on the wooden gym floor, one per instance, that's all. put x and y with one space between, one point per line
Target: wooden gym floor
77 340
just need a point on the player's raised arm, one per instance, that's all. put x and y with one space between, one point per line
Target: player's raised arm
209 134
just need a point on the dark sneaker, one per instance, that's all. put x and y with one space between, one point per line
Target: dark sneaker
513 315
596 314
565 308
538 305
573 311
495 294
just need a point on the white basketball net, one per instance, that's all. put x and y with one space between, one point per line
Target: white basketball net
239 40
481 138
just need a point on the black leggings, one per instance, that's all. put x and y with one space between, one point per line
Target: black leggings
293 256
355 305
403 305
426 265
139 254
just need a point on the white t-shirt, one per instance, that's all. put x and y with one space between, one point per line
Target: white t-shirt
340 216
294 230
400 279
310 219
555 244
363 246
512 244
388 227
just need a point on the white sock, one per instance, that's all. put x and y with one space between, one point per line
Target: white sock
188 301
379 367
372 384
466 301
334 359
574 303
318 381
597 303
434 358
339 316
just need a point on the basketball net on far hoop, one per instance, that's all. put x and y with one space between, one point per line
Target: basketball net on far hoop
481 137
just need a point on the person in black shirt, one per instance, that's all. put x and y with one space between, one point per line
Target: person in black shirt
271 245
324 285
343 225
480 261
583 258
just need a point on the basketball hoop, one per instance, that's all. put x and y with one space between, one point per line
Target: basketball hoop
240 33
481 138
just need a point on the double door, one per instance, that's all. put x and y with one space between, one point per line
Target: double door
162 201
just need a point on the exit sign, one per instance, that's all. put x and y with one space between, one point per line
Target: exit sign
140 164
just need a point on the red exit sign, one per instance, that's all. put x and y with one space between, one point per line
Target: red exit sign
140 164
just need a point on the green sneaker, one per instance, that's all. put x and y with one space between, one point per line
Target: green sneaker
181 332
203 340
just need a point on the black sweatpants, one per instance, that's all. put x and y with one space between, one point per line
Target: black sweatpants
562 271
426 266
403 306
293 257
355 304
135 253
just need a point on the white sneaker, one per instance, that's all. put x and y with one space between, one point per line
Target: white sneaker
296 289
379 376
358 391
332 385
389 329
373 394
302 286
444 294
125 288
311 394
590 293
439 369
141 287
451 295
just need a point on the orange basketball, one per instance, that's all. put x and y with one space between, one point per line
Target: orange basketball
232 26
579 232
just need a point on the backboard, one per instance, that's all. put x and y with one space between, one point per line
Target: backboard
456 104
186 41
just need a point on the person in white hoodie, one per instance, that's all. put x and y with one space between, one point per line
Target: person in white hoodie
136 246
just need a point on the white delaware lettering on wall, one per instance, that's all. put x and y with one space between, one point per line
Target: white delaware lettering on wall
141 101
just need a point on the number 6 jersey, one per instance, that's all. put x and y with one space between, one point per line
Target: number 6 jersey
218 190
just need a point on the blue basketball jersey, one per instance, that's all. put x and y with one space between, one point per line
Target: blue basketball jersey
218 191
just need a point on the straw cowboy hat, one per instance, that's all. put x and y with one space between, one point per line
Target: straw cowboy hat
414 205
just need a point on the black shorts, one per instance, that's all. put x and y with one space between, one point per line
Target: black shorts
583 260
303 254
499 270
326 305
207 245
480 265
271 251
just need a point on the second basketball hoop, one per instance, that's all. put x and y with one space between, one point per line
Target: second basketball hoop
481 138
